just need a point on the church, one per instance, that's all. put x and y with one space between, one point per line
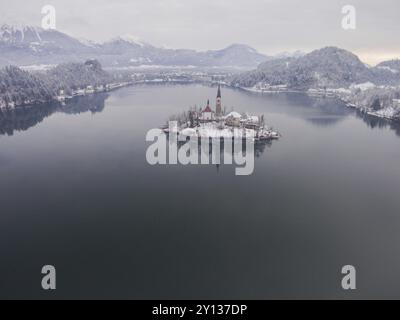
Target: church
208 115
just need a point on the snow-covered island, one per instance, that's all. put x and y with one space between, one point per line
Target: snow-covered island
207 123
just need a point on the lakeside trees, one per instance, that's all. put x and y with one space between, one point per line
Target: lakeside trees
18 87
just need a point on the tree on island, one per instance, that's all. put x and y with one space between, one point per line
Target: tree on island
376 105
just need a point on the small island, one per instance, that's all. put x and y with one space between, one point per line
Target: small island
207 123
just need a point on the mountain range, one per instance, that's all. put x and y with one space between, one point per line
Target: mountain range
327 67
29 45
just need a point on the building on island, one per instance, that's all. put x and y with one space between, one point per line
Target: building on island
207 114
252 122
233 119
205 123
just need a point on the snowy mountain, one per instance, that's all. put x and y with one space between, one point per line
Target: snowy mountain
28 45
329 67
122 44
236 55
37 39
391 65
18 35
387 72
129 51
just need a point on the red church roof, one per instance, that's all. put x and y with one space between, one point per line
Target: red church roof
207 109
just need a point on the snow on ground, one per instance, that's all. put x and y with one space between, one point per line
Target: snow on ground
255 89
233 114
339 90
38 67
152 66
211 130
133 39
363 86
389 113
388 69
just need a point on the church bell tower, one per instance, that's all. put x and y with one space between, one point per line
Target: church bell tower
218 108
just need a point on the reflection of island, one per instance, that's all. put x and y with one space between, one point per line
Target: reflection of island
236 148
23 118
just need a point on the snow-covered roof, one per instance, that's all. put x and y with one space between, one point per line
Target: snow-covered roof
234 114
211 130
363 86
188 132
253 119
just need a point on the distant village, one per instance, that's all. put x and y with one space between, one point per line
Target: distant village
62 97
379 101
126 78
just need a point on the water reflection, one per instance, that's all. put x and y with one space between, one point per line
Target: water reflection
21 119
326 112
330 111
235 147
334 111
378 123
317 111
24 118
218 151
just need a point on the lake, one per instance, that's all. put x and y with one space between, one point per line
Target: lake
76 192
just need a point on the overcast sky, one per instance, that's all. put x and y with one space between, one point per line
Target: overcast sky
270 26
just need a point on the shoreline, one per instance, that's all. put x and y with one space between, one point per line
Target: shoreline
63 98
115 86
331 96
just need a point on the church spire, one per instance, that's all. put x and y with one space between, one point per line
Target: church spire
219 104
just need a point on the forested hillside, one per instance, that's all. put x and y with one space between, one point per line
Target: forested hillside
18 87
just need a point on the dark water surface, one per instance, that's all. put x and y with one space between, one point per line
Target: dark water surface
76 192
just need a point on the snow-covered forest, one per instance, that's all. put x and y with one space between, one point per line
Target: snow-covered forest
18 87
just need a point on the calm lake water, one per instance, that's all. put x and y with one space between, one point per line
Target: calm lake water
76 192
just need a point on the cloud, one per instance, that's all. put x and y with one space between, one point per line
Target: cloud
268 25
